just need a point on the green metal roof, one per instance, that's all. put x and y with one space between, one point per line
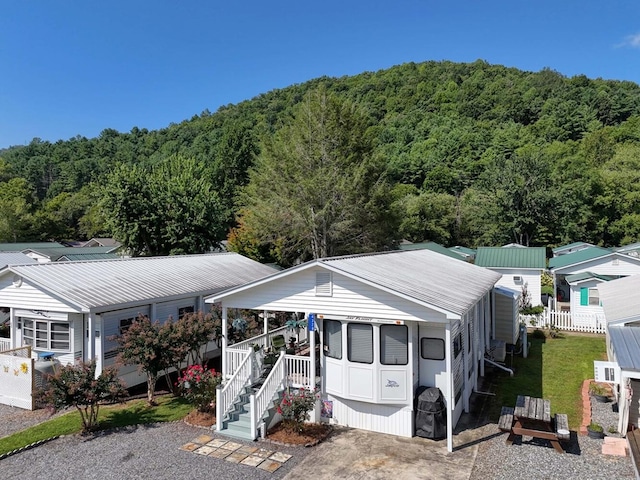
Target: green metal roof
433 246
90 256
19 247
571 245
511 257
55 253
463 251
578 257
582 276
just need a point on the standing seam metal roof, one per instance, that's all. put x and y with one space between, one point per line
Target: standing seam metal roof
578 257
626 345
620 299
423 275
100 283
511 257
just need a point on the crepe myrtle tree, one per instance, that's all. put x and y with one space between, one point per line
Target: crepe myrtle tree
77 386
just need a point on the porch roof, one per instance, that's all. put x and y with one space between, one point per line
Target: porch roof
421 276
584 276
570 246
620 299
625 342
107 283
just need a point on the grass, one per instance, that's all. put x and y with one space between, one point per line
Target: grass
134 412
554 369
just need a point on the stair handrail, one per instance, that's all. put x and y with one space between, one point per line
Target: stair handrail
259 402
229 390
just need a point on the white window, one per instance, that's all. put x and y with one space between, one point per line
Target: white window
594 296
333 339
46 335
360 343
394 341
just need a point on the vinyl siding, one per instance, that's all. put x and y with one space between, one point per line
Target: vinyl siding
30 297
297 293
626 266
530 278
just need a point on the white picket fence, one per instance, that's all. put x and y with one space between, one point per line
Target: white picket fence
568 321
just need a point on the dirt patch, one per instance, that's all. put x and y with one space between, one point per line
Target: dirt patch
200 419
311 434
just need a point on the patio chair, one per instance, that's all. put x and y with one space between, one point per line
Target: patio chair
278 343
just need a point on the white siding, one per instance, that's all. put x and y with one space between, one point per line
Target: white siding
297 293
531 278
506 318
166 310
111 327
621 265
390 419
29 297
77 342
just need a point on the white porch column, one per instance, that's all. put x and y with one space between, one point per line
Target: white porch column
312 352
265 323
224 342
482 343
449 376
91 340
14 329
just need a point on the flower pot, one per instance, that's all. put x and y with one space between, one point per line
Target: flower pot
594 433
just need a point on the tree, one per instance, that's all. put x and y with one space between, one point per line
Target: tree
170 208
77 386
317 190
17 206
144 344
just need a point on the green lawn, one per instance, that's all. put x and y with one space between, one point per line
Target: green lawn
554 369
135 412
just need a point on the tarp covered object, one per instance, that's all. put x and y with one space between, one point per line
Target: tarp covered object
431 415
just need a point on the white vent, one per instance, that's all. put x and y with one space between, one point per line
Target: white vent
323 284
517 279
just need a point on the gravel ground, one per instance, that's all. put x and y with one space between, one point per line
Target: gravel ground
152 452
143 452
536 459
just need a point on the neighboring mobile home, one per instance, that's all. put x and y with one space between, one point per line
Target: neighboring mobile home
520 267
387 323
621 304
71 309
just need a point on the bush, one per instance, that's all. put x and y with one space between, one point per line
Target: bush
295 407
538 334
537 310
595 427
597 389
198 386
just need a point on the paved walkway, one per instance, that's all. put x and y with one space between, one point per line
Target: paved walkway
234 452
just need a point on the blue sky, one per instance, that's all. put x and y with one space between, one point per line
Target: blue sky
72 67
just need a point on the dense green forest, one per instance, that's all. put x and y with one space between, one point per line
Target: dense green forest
461 154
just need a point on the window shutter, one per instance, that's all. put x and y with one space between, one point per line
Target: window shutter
393 345
584 296
360 342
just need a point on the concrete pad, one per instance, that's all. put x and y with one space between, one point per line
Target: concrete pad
236 457
271 466
231 446
220 453
202 439
204 450
217 443
252 461
263 453
356 454
280 457
190 447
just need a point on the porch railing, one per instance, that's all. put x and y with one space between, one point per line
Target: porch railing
5 344
568 321
227 393
299 372
259 402
236 352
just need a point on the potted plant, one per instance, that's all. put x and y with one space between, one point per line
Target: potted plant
595 430
599 392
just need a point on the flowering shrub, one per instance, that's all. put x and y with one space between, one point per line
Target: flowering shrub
295 407
198 386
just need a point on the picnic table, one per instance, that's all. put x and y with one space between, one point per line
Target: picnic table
532 417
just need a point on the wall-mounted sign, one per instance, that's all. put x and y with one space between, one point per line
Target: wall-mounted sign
311 319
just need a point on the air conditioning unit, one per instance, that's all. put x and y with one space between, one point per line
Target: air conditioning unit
517 279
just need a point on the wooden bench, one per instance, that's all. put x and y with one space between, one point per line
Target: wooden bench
562 426
506 419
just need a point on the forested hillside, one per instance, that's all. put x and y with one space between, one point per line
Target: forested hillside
473 154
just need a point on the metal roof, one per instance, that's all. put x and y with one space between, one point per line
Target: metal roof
511 257
423 275
620 299
18 247
12 258
433 246
88 256
55 253
625 342
582 276
580 256
100 283
464 251
570 246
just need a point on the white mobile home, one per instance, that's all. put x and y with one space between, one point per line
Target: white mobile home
71 309
387 323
